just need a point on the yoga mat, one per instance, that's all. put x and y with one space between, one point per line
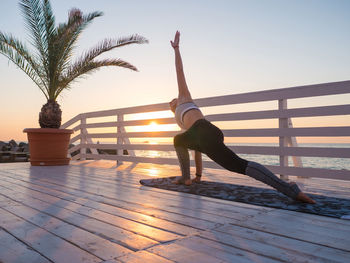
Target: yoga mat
325 206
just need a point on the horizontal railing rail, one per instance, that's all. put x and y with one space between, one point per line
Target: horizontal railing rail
87 139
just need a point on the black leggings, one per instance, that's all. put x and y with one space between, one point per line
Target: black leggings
207 138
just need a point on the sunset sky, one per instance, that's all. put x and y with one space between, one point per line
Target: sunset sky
228 47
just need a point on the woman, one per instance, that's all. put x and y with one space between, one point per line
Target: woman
203 137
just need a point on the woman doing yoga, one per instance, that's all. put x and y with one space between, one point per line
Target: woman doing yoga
204 137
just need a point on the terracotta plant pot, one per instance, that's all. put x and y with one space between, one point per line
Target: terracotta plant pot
48 146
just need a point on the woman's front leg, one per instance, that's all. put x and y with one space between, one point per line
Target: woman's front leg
184 161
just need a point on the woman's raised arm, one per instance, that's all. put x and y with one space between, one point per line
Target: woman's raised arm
184 94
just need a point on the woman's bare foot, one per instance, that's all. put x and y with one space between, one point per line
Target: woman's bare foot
181 181
302 197
197 179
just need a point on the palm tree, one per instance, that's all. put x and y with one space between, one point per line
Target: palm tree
51 65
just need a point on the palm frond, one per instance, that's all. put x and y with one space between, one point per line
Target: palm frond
86 60
16 52
79 69
35 23
48 36
109 44
68 34
49 21
64 42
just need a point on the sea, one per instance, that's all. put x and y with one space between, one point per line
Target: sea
311 162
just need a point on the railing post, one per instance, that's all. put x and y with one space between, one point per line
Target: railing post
83 138
120 118
283 140
292 141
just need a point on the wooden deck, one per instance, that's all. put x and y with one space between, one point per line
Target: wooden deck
93 211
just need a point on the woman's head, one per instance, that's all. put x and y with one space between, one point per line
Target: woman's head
173 104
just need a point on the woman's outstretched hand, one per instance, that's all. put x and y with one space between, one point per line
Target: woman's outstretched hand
175 43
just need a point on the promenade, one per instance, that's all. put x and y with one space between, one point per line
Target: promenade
93 211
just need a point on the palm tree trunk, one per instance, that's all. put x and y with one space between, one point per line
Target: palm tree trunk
50 115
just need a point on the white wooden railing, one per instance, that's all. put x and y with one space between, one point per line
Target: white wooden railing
83 138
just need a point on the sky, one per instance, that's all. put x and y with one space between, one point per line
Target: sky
228 47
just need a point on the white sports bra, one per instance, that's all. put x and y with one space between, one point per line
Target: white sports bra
181 110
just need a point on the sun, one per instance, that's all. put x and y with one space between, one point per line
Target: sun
153 126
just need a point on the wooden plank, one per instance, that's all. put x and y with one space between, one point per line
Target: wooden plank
254 249
324 89
143 257
13 250
324 222
115 234
43 194
253 115
296 132
83 139
152 232
311 172
155 147
136 159
263 150
160 121
151 198
120 129
129 110
131 123
275 246
148 201
201 224
273 132
286 113
96 245
108 210
70 122
77 128
182 254
107 124
228 253
294 151
283 124
47 244
196 223
183 219
75 148
337 239
75 157
133 134
75 138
